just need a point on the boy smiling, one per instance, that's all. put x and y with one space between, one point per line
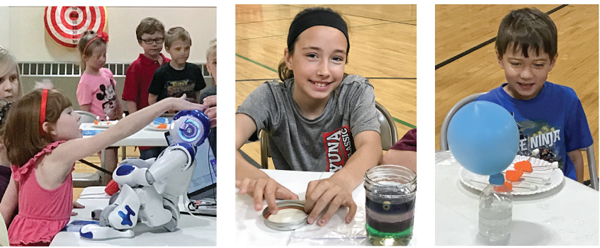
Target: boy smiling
550 116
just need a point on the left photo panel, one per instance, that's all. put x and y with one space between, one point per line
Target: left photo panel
108 126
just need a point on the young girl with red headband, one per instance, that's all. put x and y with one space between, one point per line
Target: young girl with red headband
318 119
97 89
42 145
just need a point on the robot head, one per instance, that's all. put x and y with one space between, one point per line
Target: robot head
190 127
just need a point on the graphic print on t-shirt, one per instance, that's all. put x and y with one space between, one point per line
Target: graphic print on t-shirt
109 96
177 88
540 135
338 147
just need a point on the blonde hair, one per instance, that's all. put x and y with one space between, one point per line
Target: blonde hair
212 49
86 37
21 129
7 63
176 33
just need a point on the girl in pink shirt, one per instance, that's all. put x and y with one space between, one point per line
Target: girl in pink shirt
96 92
43 141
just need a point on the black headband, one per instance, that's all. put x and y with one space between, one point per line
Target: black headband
317 18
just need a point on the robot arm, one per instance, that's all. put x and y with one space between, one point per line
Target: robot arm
177 157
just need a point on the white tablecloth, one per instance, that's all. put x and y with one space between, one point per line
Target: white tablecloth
566 215
191 230
251 229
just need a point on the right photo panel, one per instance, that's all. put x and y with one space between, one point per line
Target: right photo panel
516 96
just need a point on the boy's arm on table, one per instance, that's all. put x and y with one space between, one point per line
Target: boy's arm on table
404 158
337 190
10 200
577 159
249 179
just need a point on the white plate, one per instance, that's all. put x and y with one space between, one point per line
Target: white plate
556 177
154 127
105 124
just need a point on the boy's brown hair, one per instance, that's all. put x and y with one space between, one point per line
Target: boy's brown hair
149 25
176 33
21 130
526 29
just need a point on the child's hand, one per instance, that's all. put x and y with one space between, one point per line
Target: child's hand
76 205
178 104
321 193
210 103
267 187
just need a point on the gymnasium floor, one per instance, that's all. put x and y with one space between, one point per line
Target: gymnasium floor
383 49
462 27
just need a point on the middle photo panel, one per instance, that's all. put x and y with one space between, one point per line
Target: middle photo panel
325 124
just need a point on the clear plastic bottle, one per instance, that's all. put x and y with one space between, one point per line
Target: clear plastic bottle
495 210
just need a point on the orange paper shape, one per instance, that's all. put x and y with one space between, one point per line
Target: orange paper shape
513 175
96 122
508 185
162 126
523 166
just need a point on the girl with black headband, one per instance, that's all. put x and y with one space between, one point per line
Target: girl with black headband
42 150
317 119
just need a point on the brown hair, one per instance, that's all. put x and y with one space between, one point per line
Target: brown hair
526 29
149 25
176 33
283 70
21 130
83 42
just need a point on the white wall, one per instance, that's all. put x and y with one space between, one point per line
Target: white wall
26 36
4 24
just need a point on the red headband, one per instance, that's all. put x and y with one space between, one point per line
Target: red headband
101 35
43 110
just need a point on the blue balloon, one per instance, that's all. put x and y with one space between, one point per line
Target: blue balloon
483 137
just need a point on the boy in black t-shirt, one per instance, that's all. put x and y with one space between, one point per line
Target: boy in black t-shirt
177 77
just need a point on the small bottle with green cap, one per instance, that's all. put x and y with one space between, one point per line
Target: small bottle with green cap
495 211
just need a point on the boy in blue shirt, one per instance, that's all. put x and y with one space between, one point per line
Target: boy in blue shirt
550 117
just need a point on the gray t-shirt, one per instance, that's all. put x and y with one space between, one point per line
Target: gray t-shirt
321 144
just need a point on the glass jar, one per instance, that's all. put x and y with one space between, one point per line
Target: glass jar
390 204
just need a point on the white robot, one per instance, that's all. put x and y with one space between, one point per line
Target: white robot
150 189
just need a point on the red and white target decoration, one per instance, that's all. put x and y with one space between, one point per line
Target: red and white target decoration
66 24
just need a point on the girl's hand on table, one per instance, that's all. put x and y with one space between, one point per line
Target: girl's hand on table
76 205
264 187
322 192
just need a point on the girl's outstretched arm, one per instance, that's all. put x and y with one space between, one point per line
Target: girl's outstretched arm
337 190
10 200
61 159
251 180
